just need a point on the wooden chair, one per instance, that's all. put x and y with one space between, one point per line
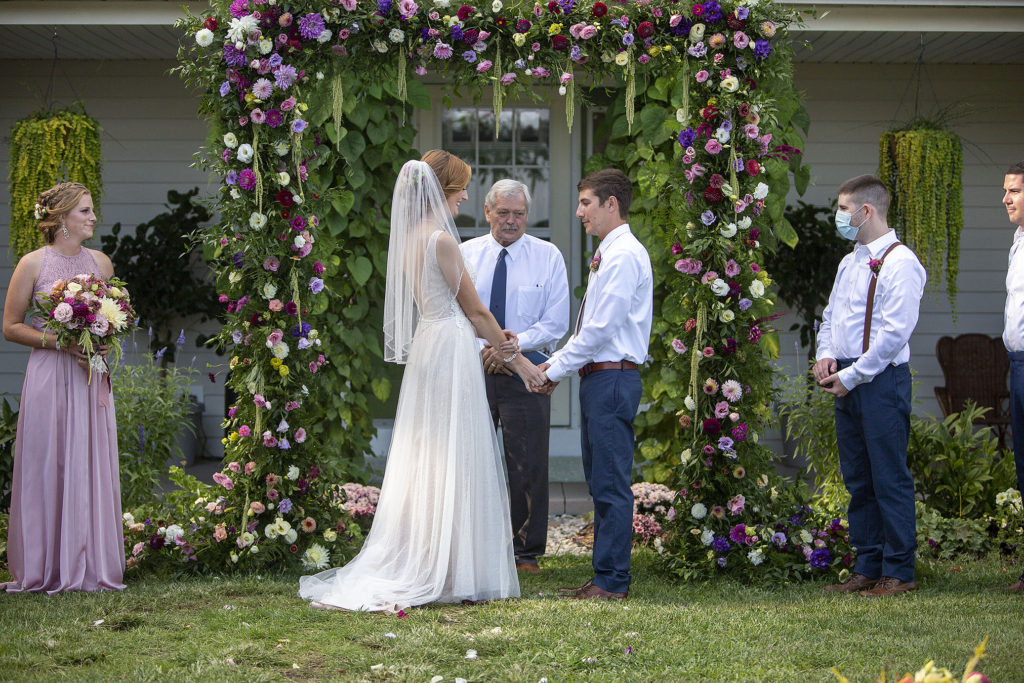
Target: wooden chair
976 367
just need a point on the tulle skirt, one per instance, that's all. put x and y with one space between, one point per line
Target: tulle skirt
442 531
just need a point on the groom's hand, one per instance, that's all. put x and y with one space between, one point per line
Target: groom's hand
493 361
548 386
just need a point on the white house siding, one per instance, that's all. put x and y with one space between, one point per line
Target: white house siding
150 131
851 104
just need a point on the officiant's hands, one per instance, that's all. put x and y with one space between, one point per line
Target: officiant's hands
493 361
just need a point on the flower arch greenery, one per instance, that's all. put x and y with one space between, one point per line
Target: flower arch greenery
306 102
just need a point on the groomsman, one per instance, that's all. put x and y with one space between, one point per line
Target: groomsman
862 360
524 280
609 343
1013 320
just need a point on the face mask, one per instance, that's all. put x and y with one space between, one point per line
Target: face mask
843 224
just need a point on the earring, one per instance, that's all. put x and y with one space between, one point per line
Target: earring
65 231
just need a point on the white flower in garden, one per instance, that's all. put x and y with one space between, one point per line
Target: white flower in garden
690 403
265 46
281 148
257 220
562 90
728 230
270 531
719 287
255 549
520 39
283 178
244 153
316 557
240 28
129 519
761 191
269 290
235 194
722 135
291 535
699 511
379 45
744 223
246 538
730 83
282 426
299 241
396 35
280 350
621 59
805 536
330 535
756 289
234 558
756 556
680 115
685 456
324 36
442 3
320 74
230 140
293 473
204 37
696 32
281 526
727 316
707 537
234 276
496 6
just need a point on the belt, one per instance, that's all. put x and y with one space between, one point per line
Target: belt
607 365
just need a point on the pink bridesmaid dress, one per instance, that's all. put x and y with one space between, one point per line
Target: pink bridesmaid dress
65 525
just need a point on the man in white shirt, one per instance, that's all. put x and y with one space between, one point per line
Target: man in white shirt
609 343
524 280
862 360
1013 320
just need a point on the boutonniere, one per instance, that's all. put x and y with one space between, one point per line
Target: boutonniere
595 263
875 265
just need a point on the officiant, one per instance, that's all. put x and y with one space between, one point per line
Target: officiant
524 279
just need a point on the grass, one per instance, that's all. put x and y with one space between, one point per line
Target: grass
253 628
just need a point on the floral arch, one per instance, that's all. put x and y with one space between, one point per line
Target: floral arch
306 102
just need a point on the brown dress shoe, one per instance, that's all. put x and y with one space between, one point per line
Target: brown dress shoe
594 592
577 589
889 586
528 567
856 582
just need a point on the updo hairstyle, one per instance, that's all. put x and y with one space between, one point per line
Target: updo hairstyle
452 172
55 204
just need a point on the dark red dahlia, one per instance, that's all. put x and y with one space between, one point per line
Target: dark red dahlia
645 29
753 168
465 12
600 9
284 198
712 194
522 26
734 22
554 7
709 112
210 24
559 42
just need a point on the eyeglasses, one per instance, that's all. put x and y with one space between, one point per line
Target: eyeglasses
503 214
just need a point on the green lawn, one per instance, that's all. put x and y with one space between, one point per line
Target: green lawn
255 628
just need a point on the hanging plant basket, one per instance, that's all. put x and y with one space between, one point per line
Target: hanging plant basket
48 147
923 168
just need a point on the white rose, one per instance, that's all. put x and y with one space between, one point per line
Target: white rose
235 194
727 316
699 511
324 36
244 153
756 289
173 533
293 473
230 140
696 32
496 6
269 290
805 536
281 148
719 287
283 178
730 83
690 403
204 37
680 115
744 223
330 535
685 456
234 276
728 230
247 538
280 350
129 519
299 241
291 536
722 135
621 59
255 549
761 191
270 531
73 287
396 35
257 220
707 536
265 46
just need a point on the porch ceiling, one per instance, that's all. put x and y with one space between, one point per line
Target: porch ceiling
849 31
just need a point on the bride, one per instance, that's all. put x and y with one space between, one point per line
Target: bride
441 532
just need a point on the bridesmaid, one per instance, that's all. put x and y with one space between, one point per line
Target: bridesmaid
65 525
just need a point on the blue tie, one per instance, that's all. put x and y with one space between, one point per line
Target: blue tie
498 289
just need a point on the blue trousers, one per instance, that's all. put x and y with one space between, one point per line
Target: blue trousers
1017 413
609 400
872 431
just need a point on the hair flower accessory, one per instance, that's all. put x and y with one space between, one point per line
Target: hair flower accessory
39 211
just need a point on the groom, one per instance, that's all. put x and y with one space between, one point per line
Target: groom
609 343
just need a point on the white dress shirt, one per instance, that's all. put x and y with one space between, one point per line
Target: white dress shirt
1013 314
893 318
536 288
618 308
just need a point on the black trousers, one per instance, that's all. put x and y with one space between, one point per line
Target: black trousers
525 420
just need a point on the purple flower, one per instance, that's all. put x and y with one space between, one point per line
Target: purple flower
725 444
762 49
274 117
247 179
316 285
575 53
238 258
225 88
708 217
284 446
239 8
457 32
284 76
469 56
298 125
285 506
301 331
686 137
721 562
738 534
233 57
712 12
720 544
383 7
231 178
627 39
311 26
820 559
698 50
739 432
262 88
745 304
742 12
442 50
275 60
779 538
291 308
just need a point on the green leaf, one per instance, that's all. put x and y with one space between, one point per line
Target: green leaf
361 269
770 343
801 178
352 146
355 176
343 202
418 94
381 388
802 119
785 233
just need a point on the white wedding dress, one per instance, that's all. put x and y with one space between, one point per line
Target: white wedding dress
442 531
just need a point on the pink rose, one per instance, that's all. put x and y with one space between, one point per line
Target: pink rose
243 432
62 313
234 466
223 480
702 75
272 494
484 66
250 467
275 305
274 337
288 104
407 8
257 507
220 533
300 435
678 346
348 4
588 32
713 146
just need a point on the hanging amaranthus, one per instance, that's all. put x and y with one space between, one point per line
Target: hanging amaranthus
923 169
47 148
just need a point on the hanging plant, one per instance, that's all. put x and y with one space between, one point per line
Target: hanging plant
46 148
922 165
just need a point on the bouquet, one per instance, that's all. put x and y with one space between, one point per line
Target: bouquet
89 311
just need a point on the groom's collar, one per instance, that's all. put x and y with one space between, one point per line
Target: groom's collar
614 235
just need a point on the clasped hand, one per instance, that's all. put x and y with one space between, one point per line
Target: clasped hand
81 358
826 374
